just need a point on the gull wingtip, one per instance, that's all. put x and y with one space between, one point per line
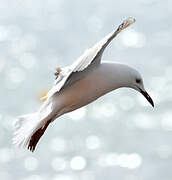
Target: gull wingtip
126 23
131 20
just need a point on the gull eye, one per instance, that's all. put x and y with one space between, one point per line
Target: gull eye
138 81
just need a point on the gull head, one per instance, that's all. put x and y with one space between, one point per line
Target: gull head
135 81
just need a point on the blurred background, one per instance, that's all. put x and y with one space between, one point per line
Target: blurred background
120 136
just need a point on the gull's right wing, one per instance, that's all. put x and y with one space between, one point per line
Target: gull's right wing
90 56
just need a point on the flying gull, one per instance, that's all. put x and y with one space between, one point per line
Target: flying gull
76 86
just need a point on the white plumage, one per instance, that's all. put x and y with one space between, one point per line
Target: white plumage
75 87
86 58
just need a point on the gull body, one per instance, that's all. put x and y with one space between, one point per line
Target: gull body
76 86
98 82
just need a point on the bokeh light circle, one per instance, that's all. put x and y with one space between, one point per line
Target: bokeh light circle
78 163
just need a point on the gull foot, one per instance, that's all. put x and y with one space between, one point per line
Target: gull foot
36 136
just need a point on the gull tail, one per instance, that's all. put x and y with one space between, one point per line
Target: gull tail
28 129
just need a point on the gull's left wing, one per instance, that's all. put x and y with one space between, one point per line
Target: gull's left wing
90 56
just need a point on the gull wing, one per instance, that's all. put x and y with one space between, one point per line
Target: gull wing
91 56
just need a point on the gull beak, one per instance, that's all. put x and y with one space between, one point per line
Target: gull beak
146 95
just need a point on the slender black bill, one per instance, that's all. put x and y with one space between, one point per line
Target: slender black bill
146 95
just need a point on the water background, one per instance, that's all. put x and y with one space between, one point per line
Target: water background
120 136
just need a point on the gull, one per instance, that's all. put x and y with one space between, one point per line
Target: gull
77 85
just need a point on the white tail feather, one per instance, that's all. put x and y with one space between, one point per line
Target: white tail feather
25 126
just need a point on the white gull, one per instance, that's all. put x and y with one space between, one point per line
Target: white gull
76 86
